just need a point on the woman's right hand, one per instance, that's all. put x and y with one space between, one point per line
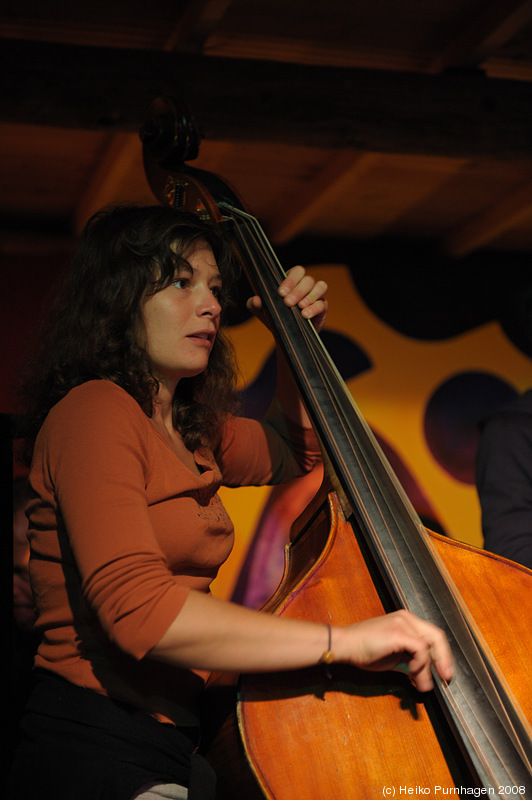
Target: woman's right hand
399 641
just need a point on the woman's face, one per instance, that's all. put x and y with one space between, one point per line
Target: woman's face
182 320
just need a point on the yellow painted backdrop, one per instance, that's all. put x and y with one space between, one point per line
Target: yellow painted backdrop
392 395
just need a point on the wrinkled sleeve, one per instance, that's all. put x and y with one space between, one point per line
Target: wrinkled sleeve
252 453
99 467
504 484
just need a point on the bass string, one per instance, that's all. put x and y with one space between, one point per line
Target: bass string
268 271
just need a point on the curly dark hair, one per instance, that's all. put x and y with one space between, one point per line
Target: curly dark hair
126 253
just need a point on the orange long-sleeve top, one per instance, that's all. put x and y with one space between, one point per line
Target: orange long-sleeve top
121 530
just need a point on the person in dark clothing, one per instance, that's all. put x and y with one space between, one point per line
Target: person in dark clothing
504 481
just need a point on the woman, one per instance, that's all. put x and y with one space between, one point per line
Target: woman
133 430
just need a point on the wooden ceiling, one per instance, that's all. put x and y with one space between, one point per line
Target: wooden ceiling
354 120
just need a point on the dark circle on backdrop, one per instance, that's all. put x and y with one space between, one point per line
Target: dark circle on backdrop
350 360
454 416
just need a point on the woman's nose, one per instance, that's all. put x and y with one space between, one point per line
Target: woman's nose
210 305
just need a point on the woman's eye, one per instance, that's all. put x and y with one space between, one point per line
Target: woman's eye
216 291
180 283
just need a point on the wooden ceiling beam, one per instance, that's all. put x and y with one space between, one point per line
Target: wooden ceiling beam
196 24
456 115
112 172
297 212
486 33
484 228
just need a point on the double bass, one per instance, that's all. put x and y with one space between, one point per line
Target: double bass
360 550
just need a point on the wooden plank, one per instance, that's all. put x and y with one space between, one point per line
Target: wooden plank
479 231
485 34
455 114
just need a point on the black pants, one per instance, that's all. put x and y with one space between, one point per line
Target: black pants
79 745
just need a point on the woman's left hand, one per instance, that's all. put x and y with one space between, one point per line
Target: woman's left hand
302 290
